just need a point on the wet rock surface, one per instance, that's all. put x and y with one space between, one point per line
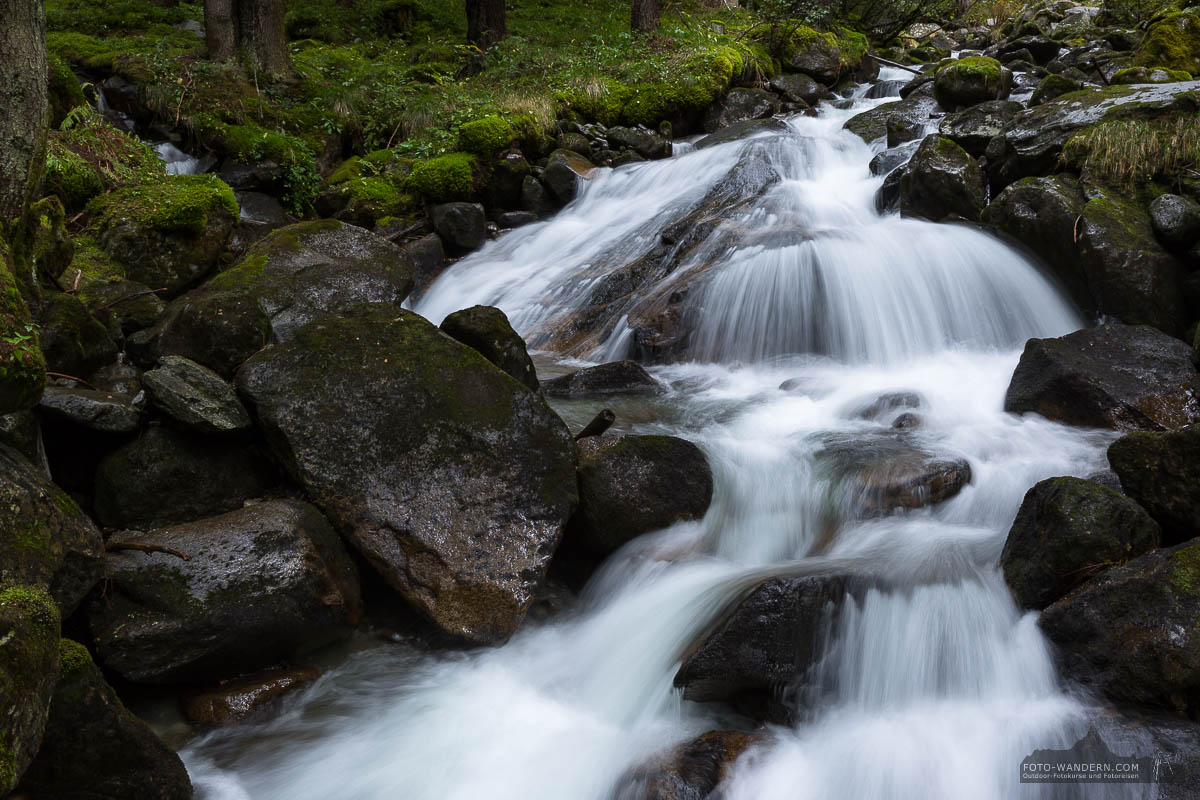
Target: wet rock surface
245 697
1161 471
98 411
486 329
942 179
195 396
29 626
693 770
617 377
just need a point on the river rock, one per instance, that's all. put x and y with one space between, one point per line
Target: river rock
47 540
743 130
971 80
1051 87
767 645
877 474
29 628
1041 49
615 377
242 698
487 330
797 87
916 110
1114 376
942 179
259 585
94 747
452 479
195 396
97 411
218 329
315 270
1067 530
1161 471
630 485
535 198
563 174
739 105
973 127
1131 631
124 307
71 339
428 255
462 226
693 770
1176 220
168 477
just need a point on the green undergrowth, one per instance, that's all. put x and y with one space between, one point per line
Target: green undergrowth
1124 151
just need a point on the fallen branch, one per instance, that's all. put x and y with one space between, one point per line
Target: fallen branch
599 424
1075 229
123 298
144 547
71 378
913 70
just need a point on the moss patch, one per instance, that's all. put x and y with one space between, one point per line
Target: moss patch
1172 43
442 179
485 136
179 204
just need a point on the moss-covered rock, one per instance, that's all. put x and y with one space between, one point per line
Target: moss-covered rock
65 91
29 628
22 365
365 410
1067 531
72 340
1131 75
942 179
1052 86
48 541
1161 471
968 81
168 234
69 176
487 330
217 328
484 137
94 747
1172 43
443 179
828 56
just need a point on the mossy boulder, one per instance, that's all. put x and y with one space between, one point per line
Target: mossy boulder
452 478
462 226
972 128
739 105
828 56
1115 376
444 179
314 270
168 234
1067 531
564 173
1176 221
167 477
219 613
942 179
217 328
1131 75
1161 471
72 340
48 541
486 329
123 307
971 80
72 178
1052 86
1131 632
94 747
915 110
65 93
486 136
1172 43
52 245
22 365
29 628
631 485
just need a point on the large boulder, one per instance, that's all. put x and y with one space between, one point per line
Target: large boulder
1176 221
462 226
1172 43
167 477
969 81
563 174
615 377
314 270
94 747
46 540
1131 631
99 411
1067 530
693 770
218 329
487 330
1161 471
743 130
195 396
915 111
942 179
973 127
740 105
257 586
453 479
1113 376
72 340
767 645
800 88
29 628
630 485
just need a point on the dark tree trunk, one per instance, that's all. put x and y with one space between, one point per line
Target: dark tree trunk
485 22
645 15
23 104
250 29
220 29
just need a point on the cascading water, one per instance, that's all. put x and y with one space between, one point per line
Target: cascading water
934 686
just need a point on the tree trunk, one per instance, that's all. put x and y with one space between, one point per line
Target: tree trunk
262 36
485 22
645 15
220 30
23 104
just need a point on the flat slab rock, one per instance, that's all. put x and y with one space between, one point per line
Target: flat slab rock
98 411
616 377
195 396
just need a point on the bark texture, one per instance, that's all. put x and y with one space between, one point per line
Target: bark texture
486 23
645 15
251 29
220 30
23 104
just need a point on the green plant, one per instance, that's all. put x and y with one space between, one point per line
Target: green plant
1124 151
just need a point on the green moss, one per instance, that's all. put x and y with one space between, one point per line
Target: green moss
180 204
71 177
22 366
976 68
1130 150
442 179
244 274
91 156
1131 75
1185 575
1053 86
72 658
92 262
65 91
485 136
1172 43
37 605
347 170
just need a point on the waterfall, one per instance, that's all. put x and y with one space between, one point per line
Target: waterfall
778 303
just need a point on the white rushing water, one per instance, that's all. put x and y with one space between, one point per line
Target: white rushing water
934 688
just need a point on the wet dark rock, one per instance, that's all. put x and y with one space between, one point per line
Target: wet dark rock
215 328
922 83
514 219
617 377
1129 632
885 89
1041 49
94 747
563 173
428 257
97 411
915 110
487 330
1161 471
877 474
534 197
800 88
631 485
972 128
887 196
886 405
641 141
942 179
260 214
900 130
124 307
259 585
740 105
1176 221
120 379
71 339
768 645
503 187
29 627
167 477
887 160
1067 531
48 541
195 396
462 226
452 479
692 771
1052 87
743 130
969 81
22 432
1021 56
261 177
1113 376
245 697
